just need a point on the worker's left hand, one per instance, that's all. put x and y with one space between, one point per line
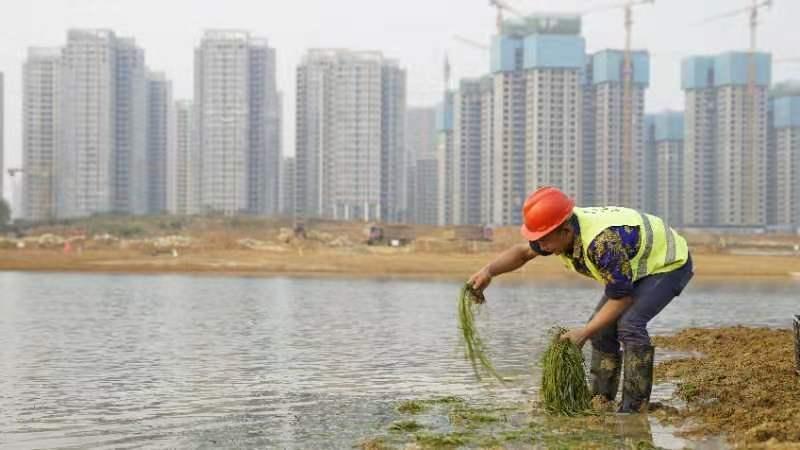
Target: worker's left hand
577 336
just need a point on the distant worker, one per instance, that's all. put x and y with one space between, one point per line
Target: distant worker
642 262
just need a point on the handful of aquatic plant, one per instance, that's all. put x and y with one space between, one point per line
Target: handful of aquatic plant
475 350
564 391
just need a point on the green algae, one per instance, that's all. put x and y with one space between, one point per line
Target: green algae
564 391
405 426
474 347
411 407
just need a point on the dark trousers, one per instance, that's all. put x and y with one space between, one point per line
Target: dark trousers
650 295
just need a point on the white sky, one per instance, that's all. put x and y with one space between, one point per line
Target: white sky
417 32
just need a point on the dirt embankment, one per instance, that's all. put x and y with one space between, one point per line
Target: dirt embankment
745 385
358 261
264 247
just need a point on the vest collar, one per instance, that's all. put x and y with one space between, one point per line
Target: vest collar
577 243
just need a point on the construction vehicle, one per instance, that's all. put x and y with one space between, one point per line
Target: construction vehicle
391 235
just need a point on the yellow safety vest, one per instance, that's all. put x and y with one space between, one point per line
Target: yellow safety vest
661 249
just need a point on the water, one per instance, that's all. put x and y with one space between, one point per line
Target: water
114 361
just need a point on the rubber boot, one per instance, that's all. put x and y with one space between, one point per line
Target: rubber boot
638 381
605 370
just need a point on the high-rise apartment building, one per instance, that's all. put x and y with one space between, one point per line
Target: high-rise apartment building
445 159
553 63
101 159
394 158
467 152
236 103
350 114
40 131
288 185
667 146
130 176
785 169
536 124
619 181
183 162
420 145
160 139
725 180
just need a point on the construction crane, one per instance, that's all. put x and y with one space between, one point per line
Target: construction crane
627 176
503 5
447 72
750 111
471 42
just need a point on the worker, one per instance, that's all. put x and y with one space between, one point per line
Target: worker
642 262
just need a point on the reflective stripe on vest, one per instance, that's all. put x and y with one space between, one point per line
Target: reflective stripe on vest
661 249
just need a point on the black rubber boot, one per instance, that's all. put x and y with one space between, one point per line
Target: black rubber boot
638 381
605 370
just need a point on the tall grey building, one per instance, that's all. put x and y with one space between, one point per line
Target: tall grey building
288 187
467 151
265 122
726 138
86 166
394 158
651 176
426 191
487 160
101 160
444 158
507 154
183 163
420 145
588 144
350 114
130 161
537 66
668 149
619 182
553 64
160 138
41 78
236 104
785 169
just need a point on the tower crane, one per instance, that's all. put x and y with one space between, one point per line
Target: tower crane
471 42
752 12
503 5
627 175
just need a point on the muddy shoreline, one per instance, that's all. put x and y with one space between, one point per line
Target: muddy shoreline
744 385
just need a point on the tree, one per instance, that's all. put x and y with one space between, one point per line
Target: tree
5 212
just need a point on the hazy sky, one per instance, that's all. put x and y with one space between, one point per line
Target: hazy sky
416 32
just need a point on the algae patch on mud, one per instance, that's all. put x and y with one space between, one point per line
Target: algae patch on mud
453 422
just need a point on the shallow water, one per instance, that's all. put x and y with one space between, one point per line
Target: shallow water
117 361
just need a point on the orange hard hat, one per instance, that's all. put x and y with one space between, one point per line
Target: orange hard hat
543 211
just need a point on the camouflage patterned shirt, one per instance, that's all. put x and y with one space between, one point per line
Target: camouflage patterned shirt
611 252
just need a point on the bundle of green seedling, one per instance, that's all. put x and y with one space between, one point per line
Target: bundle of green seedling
564 391
475 349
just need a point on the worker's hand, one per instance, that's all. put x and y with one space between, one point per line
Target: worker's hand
481 279
577 335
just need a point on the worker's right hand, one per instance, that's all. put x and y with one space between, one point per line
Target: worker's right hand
481 279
